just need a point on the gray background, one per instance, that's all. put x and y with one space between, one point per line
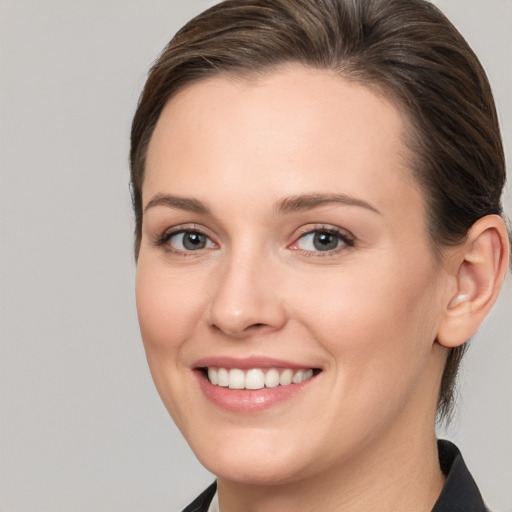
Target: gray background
81 427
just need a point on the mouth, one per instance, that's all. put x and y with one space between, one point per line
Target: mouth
257 378
252 384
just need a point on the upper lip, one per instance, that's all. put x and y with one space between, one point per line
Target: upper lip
247 363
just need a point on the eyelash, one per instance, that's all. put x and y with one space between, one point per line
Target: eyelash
163 239
346 239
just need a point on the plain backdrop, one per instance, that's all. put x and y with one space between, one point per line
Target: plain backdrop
81 426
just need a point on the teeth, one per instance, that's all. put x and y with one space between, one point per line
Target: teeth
222 377
236 379
285 379
256 378
297 377
272 378
213 376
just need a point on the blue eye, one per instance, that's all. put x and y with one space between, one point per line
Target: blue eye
322 241
188 241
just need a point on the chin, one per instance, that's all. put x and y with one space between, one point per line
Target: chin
256 459
265 470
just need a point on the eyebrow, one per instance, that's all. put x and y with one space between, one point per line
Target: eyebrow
310 201
177 203
287 205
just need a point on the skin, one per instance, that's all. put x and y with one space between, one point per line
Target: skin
360 436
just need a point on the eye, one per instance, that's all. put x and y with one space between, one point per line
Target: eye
184 241
322 240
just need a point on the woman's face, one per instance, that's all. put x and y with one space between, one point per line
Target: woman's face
284 239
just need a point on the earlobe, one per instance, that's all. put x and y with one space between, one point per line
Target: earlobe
479 270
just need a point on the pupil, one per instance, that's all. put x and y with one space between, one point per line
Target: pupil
325 241
194 241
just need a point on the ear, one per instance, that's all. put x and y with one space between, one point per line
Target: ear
479 268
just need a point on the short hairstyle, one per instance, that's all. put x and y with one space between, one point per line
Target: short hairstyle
404 49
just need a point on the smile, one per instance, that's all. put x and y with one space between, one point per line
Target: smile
257 378
253 384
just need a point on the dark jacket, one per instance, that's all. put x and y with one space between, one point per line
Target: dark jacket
459 494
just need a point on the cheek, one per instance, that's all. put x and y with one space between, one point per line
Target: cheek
169 311
367 304
167 307
378 326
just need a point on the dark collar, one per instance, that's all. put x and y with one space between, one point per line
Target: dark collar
459 494
202 502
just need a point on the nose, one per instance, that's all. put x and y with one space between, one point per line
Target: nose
247 298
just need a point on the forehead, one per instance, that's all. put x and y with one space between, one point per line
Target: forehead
308 126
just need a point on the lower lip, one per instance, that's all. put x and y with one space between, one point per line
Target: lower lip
248 400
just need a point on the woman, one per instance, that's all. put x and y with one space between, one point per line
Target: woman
317 189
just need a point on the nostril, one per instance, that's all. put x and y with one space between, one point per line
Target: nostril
257 326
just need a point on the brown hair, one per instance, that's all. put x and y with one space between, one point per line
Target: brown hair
404 48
